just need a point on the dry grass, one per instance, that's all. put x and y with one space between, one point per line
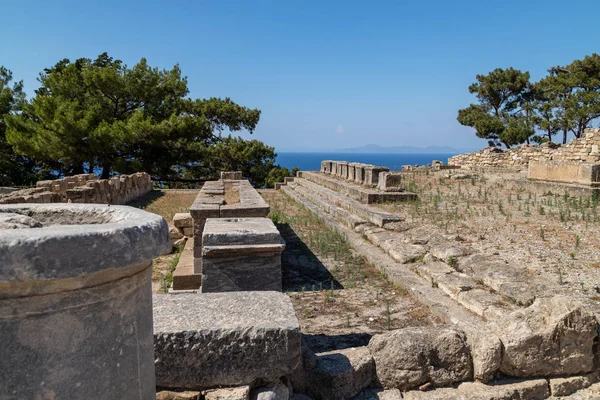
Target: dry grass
166 203
335 291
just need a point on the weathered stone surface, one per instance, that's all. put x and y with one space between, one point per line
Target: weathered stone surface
486 352
237 393
231 175
379 394
169 395
112 236
175 234
17 221
506 279
83 188
567 386
183 220
74 290
241 254
184 277
341 374
224 339
404 252
239 231
444 251
554 336
409 357
509 390
277 392
390 181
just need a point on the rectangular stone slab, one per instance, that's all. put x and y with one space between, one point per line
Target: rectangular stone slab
203 341
239 231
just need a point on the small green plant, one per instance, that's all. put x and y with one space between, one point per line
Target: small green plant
452 261
542 235
577 241
560 276
389 317
308 313
572 254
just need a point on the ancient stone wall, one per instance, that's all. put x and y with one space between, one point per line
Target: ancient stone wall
585 149
84 188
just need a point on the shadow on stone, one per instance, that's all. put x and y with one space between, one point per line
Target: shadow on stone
301 268
322 343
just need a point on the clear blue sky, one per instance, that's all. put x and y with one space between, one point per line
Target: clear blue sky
326 74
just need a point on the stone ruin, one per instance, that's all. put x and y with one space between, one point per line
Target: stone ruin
577 162
84 188
75 301
500 324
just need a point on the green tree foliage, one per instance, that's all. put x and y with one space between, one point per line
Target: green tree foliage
14 169
510 109
101 113
255 159
505 108
572 93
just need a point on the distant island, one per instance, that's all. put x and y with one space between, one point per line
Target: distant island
373 148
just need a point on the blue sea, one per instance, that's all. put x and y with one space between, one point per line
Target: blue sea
312 161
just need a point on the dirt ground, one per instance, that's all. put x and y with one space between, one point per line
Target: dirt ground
551 231
339 299
165 203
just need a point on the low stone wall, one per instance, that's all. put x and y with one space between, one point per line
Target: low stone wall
565 171
585 149
84 188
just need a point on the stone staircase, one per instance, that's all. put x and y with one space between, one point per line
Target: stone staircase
480 283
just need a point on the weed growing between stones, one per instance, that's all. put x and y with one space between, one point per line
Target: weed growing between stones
167 279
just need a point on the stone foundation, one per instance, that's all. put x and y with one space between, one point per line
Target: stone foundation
210 340
84 188
241 254
565 171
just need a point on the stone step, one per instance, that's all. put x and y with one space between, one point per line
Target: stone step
183 276
375 216
210 340
465 290
537 389
434 298
363 194
347 218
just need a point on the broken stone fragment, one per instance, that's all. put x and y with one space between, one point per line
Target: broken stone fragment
17 221
554 336
407 358
341 374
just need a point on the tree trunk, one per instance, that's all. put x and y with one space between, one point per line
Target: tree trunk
565 132
91 167
106 170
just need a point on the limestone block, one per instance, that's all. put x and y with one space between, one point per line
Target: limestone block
224 339
408 357
276 392
231 175
389 181
183 220
486 351
169 395
237 393
188 231
341 374
554 336
379 394
567 386
351 172
241 254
